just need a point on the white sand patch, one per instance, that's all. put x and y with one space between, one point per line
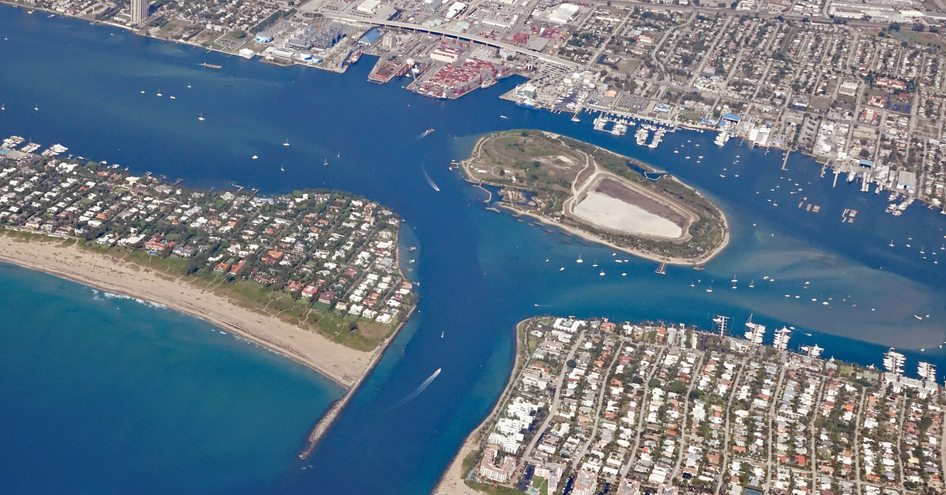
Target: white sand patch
565 159
612 213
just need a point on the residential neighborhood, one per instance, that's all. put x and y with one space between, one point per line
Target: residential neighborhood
596 407
857 85
322 258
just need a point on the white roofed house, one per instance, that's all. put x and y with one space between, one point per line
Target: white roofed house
906 181
496 471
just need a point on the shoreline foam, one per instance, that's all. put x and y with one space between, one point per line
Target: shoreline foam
343 365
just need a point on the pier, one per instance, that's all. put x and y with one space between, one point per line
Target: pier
662 269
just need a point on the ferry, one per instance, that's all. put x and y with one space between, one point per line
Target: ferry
427 132
355 57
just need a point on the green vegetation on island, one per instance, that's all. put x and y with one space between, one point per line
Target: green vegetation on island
322 260
600 195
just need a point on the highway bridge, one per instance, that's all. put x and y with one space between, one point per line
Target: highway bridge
440 31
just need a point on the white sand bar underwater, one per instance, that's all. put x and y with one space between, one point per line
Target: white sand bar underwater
615 214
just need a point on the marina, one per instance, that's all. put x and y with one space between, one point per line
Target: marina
464 247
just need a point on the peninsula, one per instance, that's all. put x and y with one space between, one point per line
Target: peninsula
597 407
599 195
312 275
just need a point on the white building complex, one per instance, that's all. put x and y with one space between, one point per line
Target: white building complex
139 11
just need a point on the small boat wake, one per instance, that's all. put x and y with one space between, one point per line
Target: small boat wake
429 180
419 390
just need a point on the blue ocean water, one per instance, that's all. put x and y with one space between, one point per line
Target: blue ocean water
107 395
479 272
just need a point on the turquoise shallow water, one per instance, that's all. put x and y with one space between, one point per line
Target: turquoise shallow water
480 272
108 395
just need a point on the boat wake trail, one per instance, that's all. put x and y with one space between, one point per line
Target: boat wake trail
429 180
425 133
419 390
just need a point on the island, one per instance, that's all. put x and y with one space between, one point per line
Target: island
313 275
599 195
595 407
855 85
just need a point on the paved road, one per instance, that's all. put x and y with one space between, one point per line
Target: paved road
724 465
553 408
446 32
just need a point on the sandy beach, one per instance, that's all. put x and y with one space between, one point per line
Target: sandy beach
451 481
63 259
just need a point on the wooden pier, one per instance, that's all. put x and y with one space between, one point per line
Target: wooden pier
662 269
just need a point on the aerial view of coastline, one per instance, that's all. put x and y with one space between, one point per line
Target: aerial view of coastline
472 247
